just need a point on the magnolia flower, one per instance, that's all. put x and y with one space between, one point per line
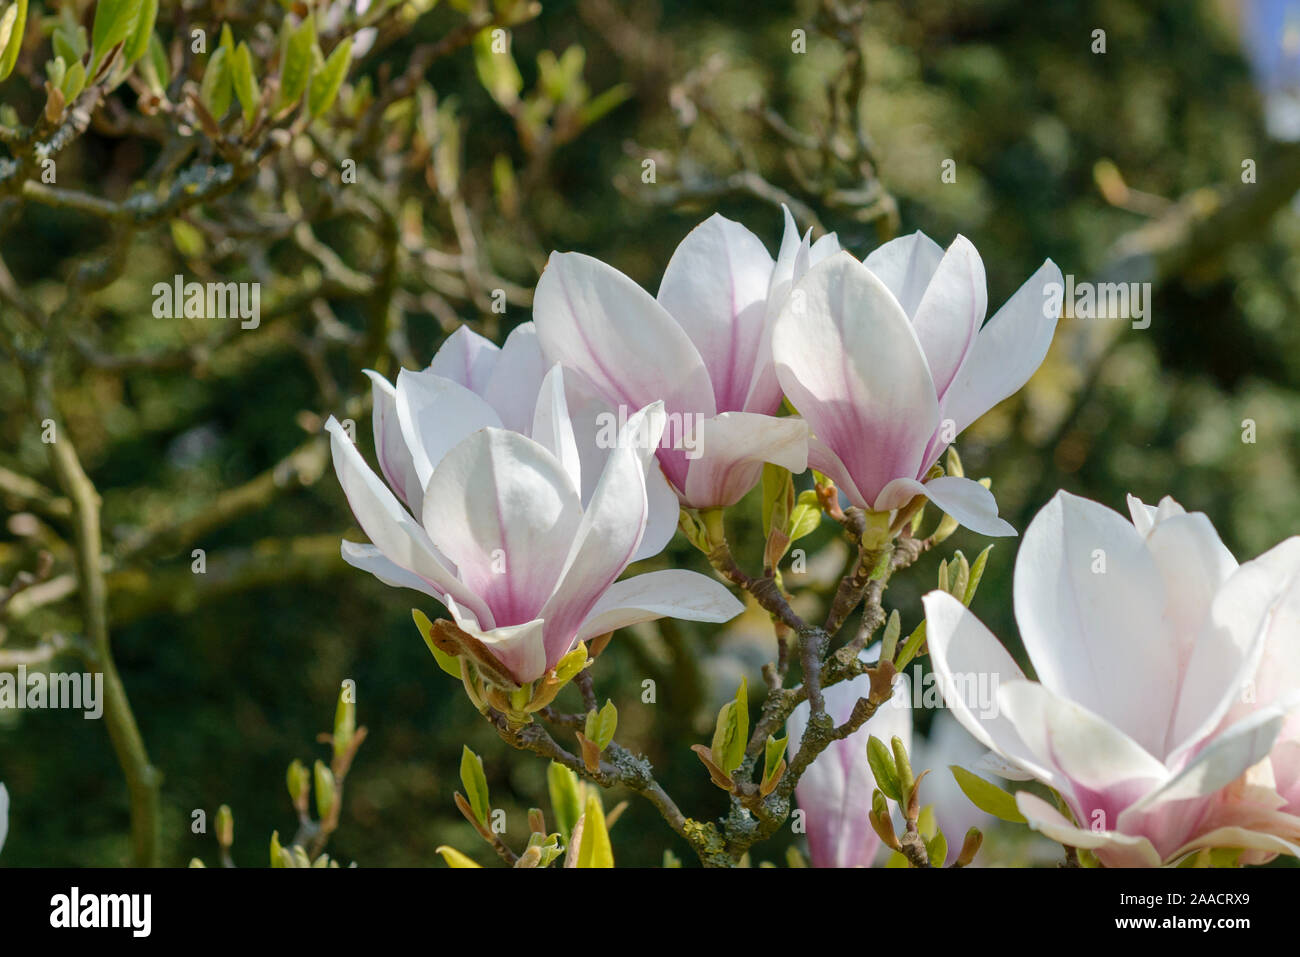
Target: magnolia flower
886 361
473 384
702 346
502 536
1143 636
835 791
4 816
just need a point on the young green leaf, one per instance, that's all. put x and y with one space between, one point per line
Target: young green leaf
216 88
601 725
976 573
987 796
454 858
806 515
325 83
475 783
137 43
296 46
595 850
74 81
249 96
12 27
113 22
882 766
731 732
566 803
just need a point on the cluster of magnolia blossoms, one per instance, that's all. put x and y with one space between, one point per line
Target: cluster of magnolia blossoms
523 480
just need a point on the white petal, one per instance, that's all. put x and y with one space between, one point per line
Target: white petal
734 446
905 266
715 286
520 648
966 500
368 558
553 429
501 507
516 378
1090 605
390 445
1007 351
950 312
672 593
467 358
434 414
1129 851
398 536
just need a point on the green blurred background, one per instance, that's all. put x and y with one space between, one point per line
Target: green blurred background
1123 164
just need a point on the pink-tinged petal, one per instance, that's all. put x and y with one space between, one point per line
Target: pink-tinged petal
1246 655
1116 849
396 534
733 447
850 362
966 500
591 317
520 648
609 534
715 286
553 429
1105 769
1144 516
368 558
516 378
950 312
4 815
1246 838
662 511
502 508
467 358
905 265
1090 604
783 277
1194 564
1225 758
672 593
435 413
835 791
390 445
1007 351
821 458
970 665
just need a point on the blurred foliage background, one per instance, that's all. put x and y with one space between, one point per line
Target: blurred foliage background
1123 164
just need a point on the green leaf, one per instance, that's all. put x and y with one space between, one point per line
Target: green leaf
937 849
806 516
12 27
778 495
986 796
64 47
327 80
156 69
137 43
325 791
882 766
595 850
731 732
565 801
345 721
216 88
603 103
910 647
455 858
497 71
976 573
601 725
296 47
475 783
74 81
773 752
245 84
114 20
448 663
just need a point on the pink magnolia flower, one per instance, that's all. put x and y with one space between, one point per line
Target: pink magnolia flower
1143 636
835 791
703 346
502 536
886 361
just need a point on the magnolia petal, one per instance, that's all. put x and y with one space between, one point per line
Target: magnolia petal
389 526
905 265
672 593
553 429
1120 850
971 664
591 317
502 508
1089 603
950 312
368 558
520 648
1238 837
966 500
516 378
734 446
1007 351
4 815
850 362
715 286
610 531
434 414
467 358
390 445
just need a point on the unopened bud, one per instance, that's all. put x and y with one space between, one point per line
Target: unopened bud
969 847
